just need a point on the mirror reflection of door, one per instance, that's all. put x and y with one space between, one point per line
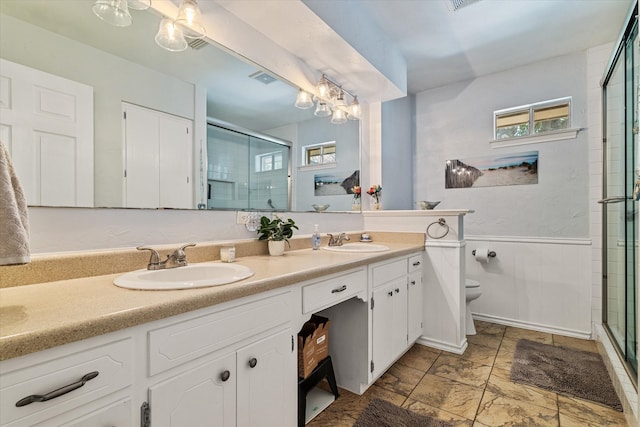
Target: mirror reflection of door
158 163
47 125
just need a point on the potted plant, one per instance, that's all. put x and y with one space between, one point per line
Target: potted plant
277 231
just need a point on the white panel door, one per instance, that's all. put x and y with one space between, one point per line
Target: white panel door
201 397
159 158
46 121
389 324
267 382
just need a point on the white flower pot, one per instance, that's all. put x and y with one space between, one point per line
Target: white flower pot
276 248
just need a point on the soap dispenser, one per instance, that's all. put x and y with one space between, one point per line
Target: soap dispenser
315 239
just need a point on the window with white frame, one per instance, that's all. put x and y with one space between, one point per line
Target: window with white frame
269 161
532 119
319 154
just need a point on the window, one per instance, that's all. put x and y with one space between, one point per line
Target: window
533 119
269 161
320 154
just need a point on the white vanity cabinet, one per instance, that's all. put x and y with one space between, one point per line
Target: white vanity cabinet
60 386
396 310
242 367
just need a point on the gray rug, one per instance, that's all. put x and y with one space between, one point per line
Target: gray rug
564 370
380 413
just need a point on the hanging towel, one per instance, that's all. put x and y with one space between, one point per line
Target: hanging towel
14 220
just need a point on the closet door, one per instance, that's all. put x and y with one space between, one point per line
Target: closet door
158 164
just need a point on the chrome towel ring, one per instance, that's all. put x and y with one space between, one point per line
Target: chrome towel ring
442 222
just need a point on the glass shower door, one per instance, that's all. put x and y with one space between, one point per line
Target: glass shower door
620 209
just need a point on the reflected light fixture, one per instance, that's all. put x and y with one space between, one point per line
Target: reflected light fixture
304 100
139 4
114 12
170 36
190 19
330 101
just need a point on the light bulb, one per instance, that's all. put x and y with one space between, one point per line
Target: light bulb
354 110
323 88
189 18
338 117
170 36
304 100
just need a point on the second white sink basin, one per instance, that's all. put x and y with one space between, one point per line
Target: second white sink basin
357 247
188 277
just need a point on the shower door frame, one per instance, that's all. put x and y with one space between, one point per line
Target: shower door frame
629 32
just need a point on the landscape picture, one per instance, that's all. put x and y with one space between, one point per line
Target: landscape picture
335 184
491 171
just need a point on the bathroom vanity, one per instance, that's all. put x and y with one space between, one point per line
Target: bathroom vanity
225 354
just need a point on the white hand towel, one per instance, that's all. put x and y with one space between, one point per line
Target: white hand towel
14 220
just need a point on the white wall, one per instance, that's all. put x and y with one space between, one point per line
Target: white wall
104 72
455 122
541 276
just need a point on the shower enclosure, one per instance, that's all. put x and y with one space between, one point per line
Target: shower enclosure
621 175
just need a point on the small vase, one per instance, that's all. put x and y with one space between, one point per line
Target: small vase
276 247
376 206
355 204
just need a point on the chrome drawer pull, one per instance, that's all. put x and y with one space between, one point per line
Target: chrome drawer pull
56 393
340 289
417 263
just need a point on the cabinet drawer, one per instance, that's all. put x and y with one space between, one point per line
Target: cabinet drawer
383 273
325 293
113 362
415 263
173 345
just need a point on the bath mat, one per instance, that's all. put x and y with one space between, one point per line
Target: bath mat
564 370
380 413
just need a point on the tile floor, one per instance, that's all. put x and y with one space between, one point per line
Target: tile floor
474 389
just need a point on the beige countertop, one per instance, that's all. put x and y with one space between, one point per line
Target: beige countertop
44 315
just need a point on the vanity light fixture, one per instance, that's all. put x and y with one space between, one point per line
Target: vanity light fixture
171 32
330 101
114 12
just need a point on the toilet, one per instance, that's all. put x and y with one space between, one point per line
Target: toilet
472 291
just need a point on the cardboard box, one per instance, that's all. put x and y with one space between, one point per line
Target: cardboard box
307 361
321 336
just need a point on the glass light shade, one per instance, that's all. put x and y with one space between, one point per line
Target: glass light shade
323 88
139 4
338 117
354 110
170 36
304 100
114 12
190 19
322 109
339 102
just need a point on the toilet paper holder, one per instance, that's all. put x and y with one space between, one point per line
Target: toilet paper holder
491 254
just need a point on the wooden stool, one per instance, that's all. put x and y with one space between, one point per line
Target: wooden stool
322 371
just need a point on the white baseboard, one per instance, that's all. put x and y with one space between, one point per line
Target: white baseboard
444 346
586 335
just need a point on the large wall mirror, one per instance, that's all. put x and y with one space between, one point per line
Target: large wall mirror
245 144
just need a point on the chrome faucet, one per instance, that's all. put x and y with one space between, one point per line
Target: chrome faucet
177 259
337 241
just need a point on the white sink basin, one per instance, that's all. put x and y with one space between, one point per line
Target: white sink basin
357 247
188 277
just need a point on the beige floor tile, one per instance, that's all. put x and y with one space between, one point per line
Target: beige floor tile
575 343
451 396
331 419
479 354
487 340
400 379
461 370
498 410
571 421
518 333
590 412
504 358
419 357
489 328
424 409
500 383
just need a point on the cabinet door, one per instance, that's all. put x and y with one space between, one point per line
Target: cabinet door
414 303
201 397
389 327
267 382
